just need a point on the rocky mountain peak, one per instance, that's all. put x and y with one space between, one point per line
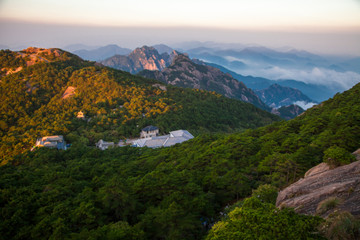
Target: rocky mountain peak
144 58
146 50
180 59
184 72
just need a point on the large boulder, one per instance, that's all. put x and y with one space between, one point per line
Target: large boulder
324 190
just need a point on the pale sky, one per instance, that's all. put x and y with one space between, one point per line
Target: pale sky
327 19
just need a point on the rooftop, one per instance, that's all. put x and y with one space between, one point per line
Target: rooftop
173 138
149 128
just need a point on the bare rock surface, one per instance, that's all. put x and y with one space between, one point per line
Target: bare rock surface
70 91
140 59
322 167
320 184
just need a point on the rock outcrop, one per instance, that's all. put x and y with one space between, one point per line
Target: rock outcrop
140 59
184 72
324 190
69 92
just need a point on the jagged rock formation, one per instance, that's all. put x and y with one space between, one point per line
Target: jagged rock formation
184 72
288 112
278 96
324 190
140 59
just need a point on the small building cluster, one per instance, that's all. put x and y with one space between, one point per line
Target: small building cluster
56 141
172 138
101 144
149 137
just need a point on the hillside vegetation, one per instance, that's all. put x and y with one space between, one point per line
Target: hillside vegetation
44 98
176 192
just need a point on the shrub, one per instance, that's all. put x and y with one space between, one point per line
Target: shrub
341 225
337 156
266 193
327 204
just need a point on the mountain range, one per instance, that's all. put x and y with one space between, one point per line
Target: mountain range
313 91
292 68
316 76
179 192
184 72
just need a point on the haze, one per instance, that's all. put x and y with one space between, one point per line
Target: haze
321 26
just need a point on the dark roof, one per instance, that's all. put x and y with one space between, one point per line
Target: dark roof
149 128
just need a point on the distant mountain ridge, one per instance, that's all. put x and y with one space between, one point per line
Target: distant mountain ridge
140 59
278 96
318 93
288 112
101 53
318 76
184 72
162 48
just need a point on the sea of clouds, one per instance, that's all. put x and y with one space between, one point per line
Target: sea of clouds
338 81
304 105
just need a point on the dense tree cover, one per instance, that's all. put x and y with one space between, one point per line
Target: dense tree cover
171 193
166 193
9 61
261 220
117 105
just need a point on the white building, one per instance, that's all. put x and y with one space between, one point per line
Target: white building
171 139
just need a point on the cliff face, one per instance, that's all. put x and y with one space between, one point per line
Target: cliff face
184 72
140 59
322 191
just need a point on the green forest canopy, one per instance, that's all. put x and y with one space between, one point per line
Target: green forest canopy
117 105
167 193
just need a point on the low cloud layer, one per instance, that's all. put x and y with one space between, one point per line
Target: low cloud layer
339 81
304 105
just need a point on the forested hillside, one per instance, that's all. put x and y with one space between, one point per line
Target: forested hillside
41 92
176 192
